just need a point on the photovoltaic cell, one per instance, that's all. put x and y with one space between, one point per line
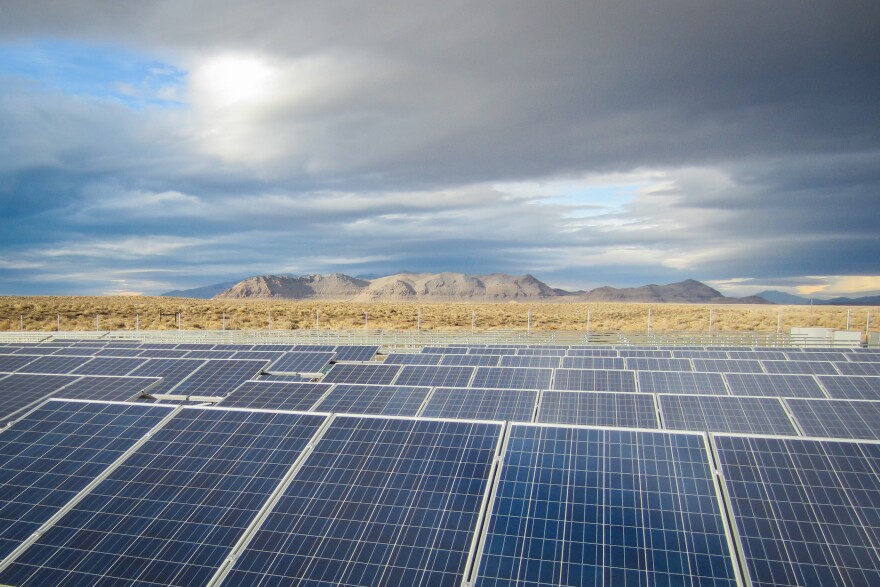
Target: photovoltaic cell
118 389
592 363
261 355
172 371
356 352
300 362
717 413
472 360
532 361
593 408
218 378
800 367
652 364
117 352
164 353
860 357
594 380
481 404
54 365
698 354
511 378
652 354
383 400
49 456
109 366
171 513
314 348
858 368
445 350
540 352
21 390
392 502
811 356
758 384
586 506
434 376
413 359
210 354
11 363
276 395
681 382
727 366
37 350
805 510
858 419
851 386
356 373
592 353
757 355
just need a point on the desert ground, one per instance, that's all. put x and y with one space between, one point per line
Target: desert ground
157 313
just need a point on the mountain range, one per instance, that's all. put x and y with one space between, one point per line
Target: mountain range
780 297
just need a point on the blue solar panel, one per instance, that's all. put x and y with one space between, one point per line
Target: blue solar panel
805 511
812 356
172 371
799 367
653 364
758 384
218 378
52 454
472 360
858 419
511 378
194 346
651 354
481 404
698 354
434 376
540 352
118 389
116 352
851 386
596 408
314 348
262 355
37 350
727 365
54 365
109 366
681 382
237 347
586 506
357 373
211 354
10 363
592 363
356 352
858 368
21 390
859 357
413 359
389 502
164 353
445 350
757 355
533 361
171 513
594 380
383 400
276 395
718 413
300 362
592 353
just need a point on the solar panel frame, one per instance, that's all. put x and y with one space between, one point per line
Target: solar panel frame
51 365
698 354
644 353
773 385
725 413
12 363
511 378
858 368
765 355
262 355
119 352
276 395
209 354
727 366
657 364
294 362
21 391
861 357
816 356
172 371
118 366
608 353
164 353
377 374
469 360
594 380
314 348
541 352
107 388
598 408
442 350
219 377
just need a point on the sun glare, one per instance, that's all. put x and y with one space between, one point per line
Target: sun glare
233 79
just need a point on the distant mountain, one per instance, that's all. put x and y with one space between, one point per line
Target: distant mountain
205 292
335 286
497 287
780 297
863 301
685 292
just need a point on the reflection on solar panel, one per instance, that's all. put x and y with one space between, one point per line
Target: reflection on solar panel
481 404
118 389
533 361
377 502
432 376
837 418
773 385
172 371
596 408
851 386
511 378
585 506
218 378
10 363
470 360
52 454
805 510
20 390
800 367
445 350
356 373
109 366
356 352
652 354
300 362
858 368
651 364
594 380
173 525
592 363
54 365
716 413
727 366
413 359
677 382
276 395
383 400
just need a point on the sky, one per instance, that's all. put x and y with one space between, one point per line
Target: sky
150 146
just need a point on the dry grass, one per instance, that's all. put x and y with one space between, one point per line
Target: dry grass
118 313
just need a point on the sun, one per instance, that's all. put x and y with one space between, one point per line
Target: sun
231 80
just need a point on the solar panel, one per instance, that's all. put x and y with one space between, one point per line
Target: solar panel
724 413
237 347
858 419
218 378
591 353
262 355
445 350
492 351
300 362
54 365
378 502
385 400
276 395
471 360
174 523
274 347
698 354
109 366
356 352
652 364
434 376
315 348
540 352
855 368
481 404
805 511
533 361
37 350
163 354
117 352
812 356
413 359
11 363
357 373
172 371
757 355
511 378
727 366
117 389
758 384
681 382
648 354
860 358
799 367
851 386
587 506
76 351
592 363
594 380
598 408
194 346
21 390
210 354
49 456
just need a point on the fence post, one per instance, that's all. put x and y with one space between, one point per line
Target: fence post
589 320
473 321
649 319
710 319
779 322
419 322
137 322
366 321
848 318
58 322
529 322
223 323
317 319
21 322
